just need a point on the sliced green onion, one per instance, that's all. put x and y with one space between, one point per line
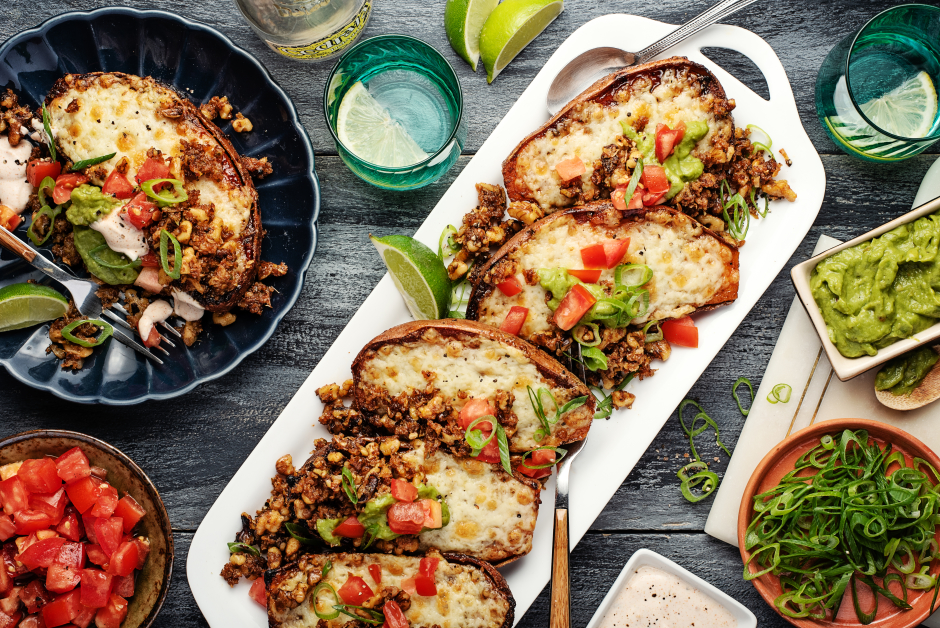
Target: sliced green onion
578 332
502 443
52 214
446 245
605 403
594 359
760 145
94 161
701 475
762 214
559 454
165 238
475 437
327 566
535 398
780 393
734 393
297 531
377 618
349 486
739 222
164 197
316 596
864 618
94 255
634 181
47 125
646 273
45 190
653 337
693 431
236 548
106 331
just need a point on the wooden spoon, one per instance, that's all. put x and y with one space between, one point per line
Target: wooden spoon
927 392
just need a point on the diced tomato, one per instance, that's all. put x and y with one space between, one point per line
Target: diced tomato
35 596
88 522
490 451
587 275
106 503
428 566
473 410
350 529
570 168
6 580
433 514
149 279
394 617
112 615
614 250
32 520
616 197
152 339
63 609
70 527
53 505
11 603
682 332
538 457
7 528
143 549
118 185
666 139
355 591
109 533
84 617
375 570
606 254
573 306
71 555
258 593
653 199
9 563
64 185
130 511
124 560
62 578
39 169
73 465
406 517
41 553
408 586
84 493
40 476
514 320
654 179
96 555
124 586
9 218
594 256
140 211
9 620
34 621
404 491
96 588
150 260
425 585
636 202
153 168
510 287
14 495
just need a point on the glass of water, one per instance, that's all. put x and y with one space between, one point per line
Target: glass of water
876 93
395 109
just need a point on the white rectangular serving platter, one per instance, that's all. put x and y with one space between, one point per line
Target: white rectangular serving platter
617 444
647 558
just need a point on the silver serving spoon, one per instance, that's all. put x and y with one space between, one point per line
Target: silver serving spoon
589 66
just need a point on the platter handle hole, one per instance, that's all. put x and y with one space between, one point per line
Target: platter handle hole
741 68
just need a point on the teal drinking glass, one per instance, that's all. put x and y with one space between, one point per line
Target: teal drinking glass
405 107
876 91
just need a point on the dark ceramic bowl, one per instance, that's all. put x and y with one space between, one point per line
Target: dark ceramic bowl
199 62
153 582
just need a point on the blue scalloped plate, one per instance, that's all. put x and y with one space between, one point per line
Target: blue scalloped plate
200 62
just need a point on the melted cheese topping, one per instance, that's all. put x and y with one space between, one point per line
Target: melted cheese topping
492 515
465 597
689 266
473 368
590 126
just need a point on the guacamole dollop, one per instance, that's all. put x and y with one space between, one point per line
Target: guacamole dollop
878 292
681 166
87 240
89 204
904 373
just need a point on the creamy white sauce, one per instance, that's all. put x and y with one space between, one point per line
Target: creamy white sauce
157 312
654 597
186 307
14 188
121 236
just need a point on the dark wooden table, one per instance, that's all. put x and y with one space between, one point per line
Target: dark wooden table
192 446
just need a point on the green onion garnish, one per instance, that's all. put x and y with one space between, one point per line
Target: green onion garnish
475 437
780 393
327 566
47 125
634 181
84 163
377 617
700 475
605 403
594 359
559 454
739 222
578 334
349 486
734 393
297 532
446 245
164 197
653 337
535 398
503 445
316 593
165 238
45 190
130 263
106 331
236 548
52 214
758 145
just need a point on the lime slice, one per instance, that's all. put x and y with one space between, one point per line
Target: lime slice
418 274
367 129
27 304
908 110
510 27
463 21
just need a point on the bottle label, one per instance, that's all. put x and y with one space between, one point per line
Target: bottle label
331 44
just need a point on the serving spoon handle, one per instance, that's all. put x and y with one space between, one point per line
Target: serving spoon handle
708 17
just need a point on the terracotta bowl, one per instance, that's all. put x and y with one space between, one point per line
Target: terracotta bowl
153 582
780 461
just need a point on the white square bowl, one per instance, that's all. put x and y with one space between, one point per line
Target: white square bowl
641 557
847 368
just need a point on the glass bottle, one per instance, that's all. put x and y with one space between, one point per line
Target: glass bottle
307 30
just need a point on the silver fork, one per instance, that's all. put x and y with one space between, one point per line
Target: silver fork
561 585
83 294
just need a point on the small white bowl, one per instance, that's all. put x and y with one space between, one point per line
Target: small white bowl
847 368
743 617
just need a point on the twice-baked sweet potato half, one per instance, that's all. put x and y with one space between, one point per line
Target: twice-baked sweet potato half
434 591
433 378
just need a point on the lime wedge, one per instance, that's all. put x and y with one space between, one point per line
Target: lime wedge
510 27
367 130
463 21
908 110
27 304
418 274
